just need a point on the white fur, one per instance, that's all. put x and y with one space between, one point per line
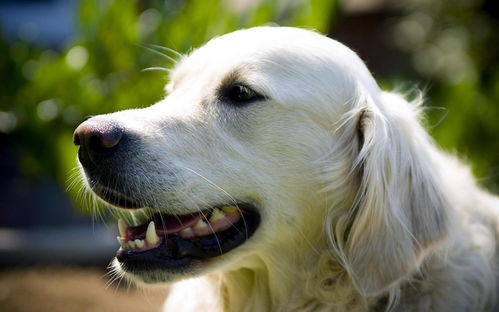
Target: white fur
360 210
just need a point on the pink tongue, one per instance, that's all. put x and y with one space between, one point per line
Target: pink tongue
165 224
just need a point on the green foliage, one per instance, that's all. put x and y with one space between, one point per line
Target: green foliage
454 45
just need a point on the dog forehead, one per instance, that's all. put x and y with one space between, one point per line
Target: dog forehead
286 64
259 55
255 46
287 54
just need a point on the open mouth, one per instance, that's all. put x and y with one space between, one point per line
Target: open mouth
175 241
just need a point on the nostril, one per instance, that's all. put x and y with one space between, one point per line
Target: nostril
97 139
76 138
102 141
110 136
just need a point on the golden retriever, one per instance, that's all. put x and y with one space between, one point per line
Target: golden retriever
277 176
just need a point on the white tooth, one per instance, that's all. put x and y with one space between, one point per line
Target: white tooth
122 228
125 245
139 243
121 240
216 214
131 244
151 236
229 209
200 225
187 233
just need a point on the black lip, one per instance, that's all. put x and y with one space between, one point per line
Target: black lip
177 254
117 200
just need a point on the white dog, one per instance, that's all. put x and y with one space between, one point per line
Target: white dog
277 176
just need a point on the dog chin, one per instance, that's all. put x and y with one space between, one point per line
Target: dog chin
154 276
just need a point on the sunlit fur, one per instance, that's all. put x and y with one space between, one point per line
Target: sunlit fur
360 210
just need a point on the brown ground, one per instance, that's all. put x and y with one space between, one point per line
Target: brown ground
65 289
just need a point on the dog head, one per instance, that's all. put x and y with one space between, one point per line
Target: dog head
267 136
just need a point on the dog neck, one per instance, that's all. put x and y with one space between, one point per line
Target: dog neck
279 278
256 289
280 283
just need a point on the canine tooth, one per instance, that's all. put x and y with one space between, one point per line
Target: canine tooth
216 214
121 240
131 244
122 228
200 224
151 236
139 243
229 209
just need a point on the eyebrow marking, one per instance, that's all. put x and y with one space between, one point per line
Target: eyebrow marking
238 77
234 77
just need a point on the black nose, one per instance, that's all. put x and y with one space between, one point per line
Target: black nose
98 139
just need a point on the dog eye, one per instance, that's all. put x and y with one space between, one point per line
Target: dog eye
241 94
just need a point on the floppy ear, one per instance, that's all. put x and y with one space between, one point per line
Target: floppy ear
400 208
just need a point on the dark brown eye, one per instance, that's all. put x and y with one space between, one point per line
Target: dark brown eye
240 94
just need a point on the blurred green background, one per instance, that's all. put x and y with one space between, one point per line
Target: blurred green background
448 49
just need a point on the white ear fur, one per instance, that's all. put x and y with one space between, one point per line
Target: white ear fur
400 209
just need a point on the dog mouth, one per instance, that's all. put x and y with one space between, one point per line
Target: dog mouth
173 242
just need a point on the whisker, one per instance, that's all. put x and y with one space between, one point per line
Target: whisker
72 178
213 231
244 221
114 275
226 193
178 54
159 53
156 68
213 184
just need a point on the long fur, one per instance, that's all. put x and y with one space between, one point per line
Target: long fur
360 210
